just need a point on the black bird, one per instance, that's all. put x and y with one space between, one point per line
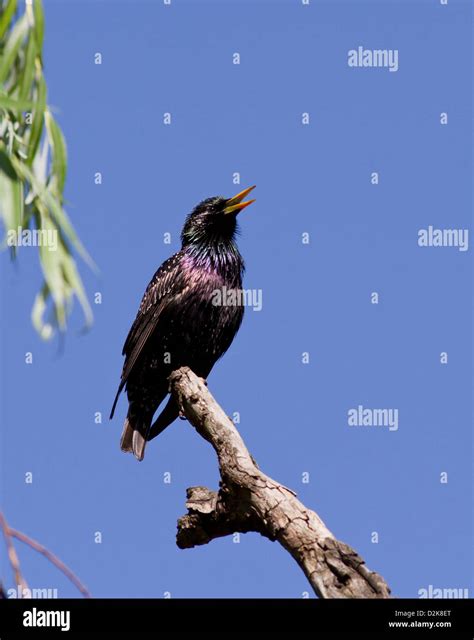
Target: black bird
182 320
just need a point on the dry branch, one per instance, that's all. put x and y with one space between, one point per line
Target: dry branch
9 534
249 500
59 564
12 555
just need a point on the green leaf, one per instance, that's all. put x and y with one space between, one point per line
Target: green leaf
12 47
39 24
17 106
51 259
62 283
40 165
28 69
58 150
38 121
47 198
44 329
73 278
11 195
6 16
41 175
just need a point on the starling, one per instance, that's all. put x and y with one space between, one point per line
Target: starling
182 320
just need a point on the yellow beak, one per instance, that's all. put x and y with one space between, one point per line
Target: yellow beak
236 204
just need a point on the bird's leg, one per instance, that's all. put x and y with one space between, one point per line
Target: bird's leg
253 460
181 414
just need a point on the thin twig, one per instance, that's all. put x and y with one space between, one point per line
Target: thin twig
12 555
59 564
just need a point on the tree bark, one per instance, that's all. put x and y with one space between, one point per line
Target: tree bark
249 500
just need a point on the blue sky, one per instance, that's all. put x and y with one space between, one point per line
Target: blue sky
314 179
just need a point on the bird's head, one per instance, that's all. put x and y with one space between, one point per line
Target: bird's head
214 220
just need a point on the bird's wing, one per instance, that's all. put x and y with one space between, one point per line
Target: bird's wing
165 287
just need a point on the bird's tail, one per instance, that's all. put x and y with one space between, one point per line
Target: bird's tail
134 434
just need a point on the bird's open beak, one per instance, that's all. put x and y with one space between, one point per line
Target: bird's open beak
235 204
